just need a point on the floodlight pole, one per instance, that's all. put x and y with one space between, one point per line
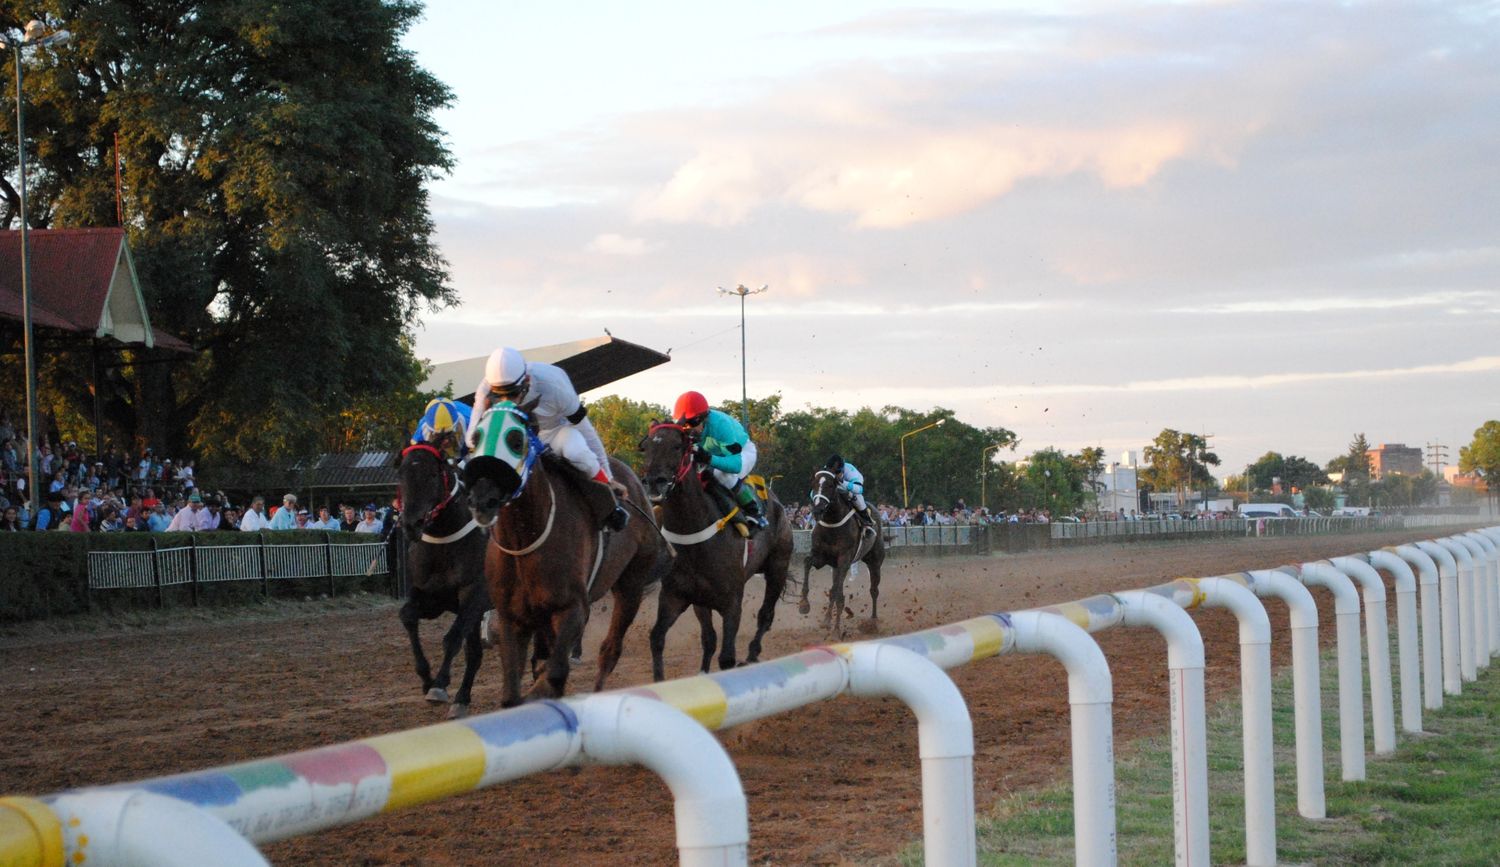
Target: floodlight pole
29 37
906 503
742 290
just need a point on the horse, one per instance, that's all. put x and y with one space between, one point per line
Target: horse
839 540
445 565
711 566
546 561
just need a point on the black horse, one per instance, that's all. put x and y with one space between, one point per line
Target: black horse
445 567
839 541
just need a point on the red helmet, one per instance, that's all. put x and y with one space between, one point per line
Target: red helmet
691 408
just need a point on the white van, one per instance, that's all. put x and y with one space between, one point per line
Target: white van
1352 512
1267 510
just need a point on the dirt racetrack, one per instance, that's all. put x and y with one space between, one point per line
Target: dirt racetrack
835 783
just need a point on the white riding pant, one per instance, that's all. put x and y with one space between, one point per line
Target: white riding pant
858 491
747 463
571 443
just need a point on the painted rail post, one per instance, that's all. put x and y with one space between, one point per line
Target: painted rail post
1468 667
1405 581
1351 680
1492 587
1378 644
1307 695
1448 604
1479 569
1432 633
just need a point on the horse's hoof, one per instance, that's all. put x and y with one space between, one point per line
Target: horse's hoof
437 695
575 660
458 711
803 608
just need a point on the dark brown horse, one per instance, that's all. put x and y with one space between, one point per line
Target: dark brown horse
445 568
712 563
547 559
839 540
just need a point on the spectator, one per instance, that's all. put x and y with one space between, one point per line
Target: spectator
149 500
51 516
350 520
79 521
286 516
324 521
255 520
230 519
110 520
303 520
371 523
158 522
132 525
10 521
187 476
186 520
211 517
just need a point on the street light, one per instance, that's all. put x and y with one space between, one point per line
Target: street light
905 503
35 34
984 471
742 291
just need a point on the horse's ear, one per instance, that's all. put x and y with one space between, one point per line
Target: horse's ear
400 455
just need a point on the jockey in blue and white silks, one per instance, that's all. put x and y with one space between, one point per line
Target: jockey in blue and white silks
851 479
444 415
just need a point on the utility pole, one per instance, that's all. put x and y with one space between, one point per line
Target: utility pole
1437 458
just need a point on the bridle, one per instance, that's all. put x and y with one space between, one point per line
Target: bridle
819 495
453 488
685 463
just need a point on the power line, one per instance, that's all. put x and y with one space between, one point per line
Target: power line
1437 458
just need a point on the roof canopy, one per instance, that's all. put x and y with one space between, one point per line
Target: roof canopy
82 282
590 363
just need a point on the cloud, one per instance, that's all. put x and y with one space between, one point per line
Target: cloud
1451 300
611 244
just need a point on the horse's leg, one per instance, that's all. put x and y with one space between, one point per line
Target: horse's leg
541 651
731 616
775 580
575 654
512 641
803 606
874 561
409 620
567 625
669 607
627 601
453 641
706 636
470 614
836 596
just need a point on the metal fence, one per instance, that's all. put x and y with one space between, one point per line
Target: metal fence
1013 538
197 565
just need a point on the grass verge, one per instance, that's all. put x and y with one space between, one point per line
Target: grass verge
1436 800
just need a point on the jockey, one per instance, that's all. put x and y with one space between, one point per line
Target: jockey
444 416
725 447
562 420
853 482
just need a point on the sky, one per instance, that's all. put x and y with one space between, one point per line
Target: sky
1276 224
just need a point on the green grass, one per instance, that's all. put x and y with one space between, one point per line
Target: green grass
1435 801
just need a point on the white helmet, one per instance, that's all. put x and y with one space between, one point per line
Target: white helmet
505 368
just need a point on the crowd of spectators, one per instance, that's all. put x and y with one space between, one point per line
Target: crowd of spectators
115 493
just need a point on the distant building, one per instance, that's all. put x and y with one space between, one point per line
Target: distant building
1394 459
1117 489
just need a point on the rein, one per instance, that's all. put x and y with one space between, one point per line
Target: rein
546 531
848 513
437 510
684 467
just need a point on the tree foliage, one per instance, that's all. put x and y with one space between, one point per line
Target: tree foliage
1178 461
1482 455
274 158
622 423
1290 471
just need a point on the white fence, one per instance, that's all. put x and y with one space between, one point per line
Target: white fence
214 816
212 564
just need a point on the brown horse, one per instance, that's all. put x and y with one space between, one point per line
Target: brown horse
445 567
712 564
547 559
840 540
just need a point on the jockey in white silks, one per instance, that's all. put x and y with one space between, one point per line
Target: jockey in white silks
561 418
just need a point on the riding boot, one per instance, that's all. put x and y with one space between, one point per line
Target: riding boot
617 517
749 504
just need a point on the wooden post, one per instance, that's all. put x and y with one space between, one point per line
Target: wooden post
193 566
156 572
265 578
328 559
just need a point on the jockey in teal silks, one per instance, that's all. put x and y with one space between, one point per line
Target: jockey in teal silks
851 480
444 416
725 447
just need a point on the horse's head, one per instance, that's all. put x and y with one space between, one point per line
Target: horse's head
825 491
426 483
668 452
498 469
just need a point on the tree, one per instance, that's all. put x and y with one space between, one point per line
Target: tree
1291 471
274 158
1056 481
1482 456
622 423
1177 461
1356 468
1402 490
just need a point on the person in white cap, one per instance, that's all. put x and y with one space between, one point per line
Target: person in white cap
561 418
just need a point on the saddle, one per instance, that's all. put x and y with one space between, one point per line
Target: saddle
727 504
595 496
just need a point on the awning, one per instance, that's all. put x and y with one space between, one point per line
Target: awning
590 363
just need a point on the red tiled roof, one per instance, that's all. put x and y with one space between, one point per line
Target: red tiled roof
71 274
